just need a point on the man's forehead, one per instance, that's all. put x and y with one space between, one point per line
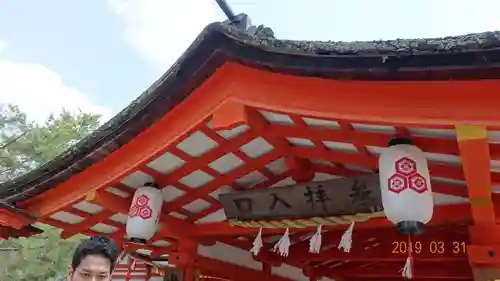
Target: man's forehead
95 263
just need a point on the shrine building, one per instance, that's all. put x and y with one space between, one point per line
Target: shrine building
267 155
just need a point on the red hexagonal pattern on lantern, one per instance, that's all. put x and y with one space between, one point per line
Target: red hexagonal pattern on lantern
398 183
407 176
140 208
142 200
145 212
406 166
418 183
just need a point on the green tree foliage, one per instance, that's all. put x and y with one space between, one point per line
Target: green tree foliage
41 257
26 145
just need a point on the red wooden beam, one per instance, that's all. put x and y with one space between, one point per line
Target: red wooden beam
437 170
418 278
86 224
13 219
475 100
456 271
432 145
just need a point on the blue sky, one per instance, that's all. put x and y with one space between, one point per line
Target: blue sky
99 55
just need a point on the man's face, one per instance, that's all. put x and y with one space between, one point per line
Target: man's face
92 268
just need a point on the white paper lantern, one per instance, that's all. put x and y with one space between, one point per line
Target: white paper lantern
406 187
144 214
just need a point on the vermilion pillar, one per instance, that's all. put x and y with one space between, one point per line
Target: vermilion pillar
484 251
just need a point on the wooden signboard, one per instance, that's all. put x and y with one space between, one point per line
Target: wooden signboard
360 194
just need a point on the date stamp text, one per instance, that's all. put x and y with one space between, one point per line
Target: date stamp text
430 247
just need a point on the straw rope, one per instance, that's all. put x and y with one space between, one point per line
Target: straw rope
311 222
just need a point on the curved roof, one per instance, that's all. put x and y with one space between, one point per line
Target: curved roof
473 56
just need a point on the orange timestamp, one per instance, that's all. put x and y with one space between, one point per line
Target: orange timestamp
432 247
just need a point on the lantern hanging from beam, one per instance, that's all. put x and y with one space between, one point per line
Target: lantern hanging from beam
406 190
144 213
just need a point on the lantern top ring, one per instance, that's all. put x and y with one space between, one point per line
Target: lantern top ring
397 141
152 184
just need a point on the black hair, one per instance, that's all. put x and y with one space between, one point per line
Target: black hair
96 245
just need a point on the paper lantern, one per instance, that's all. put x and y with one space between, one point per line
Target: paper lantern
405 186
144 213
